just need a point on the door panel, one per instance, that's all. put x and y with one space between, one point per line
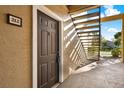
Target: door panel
53 43
47 50
43 68
44 43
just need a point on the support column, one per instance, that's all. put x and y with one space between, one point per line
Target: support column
122 33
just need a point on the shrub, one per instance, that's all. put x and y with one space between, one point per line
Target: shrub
115 52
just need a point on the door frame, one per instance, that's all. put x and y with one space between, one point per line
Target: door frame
48 12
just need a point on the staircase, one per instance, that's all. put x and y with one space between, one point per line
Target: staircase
86 19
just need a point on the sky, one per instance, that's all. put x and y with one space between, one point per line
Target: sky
108 29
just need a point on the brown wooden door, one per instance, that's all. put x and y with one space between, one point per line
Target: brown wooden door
47 50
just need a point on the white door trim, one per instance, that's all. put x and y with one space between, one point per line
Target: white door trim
47 11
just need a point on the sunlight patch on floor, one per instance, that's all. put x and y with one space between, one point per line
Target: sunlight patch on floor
85 68
107 62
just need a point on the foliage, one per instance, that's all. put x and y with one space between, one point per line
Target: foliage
104 41
116 52
117 40
104 45
117 35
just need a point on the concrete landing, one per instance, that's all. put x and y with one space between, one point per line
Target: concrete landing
109 73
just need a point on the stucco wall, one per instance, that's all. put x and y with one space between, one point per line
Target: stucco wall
73 51
15 48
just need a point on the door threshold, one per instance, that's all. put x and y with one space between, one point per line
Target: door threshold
55 85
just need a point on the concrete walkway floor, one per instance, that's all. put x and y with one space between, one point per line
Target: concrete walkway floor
109 73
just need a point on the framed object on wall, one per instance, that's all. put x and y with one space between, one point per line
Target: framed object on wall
14 20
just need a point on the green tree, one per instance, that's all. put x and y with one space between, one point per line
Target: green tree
117 40
104 41
103 44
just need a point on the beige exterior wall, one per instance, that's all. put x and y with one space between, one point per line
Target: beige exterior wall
73 54
15 48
